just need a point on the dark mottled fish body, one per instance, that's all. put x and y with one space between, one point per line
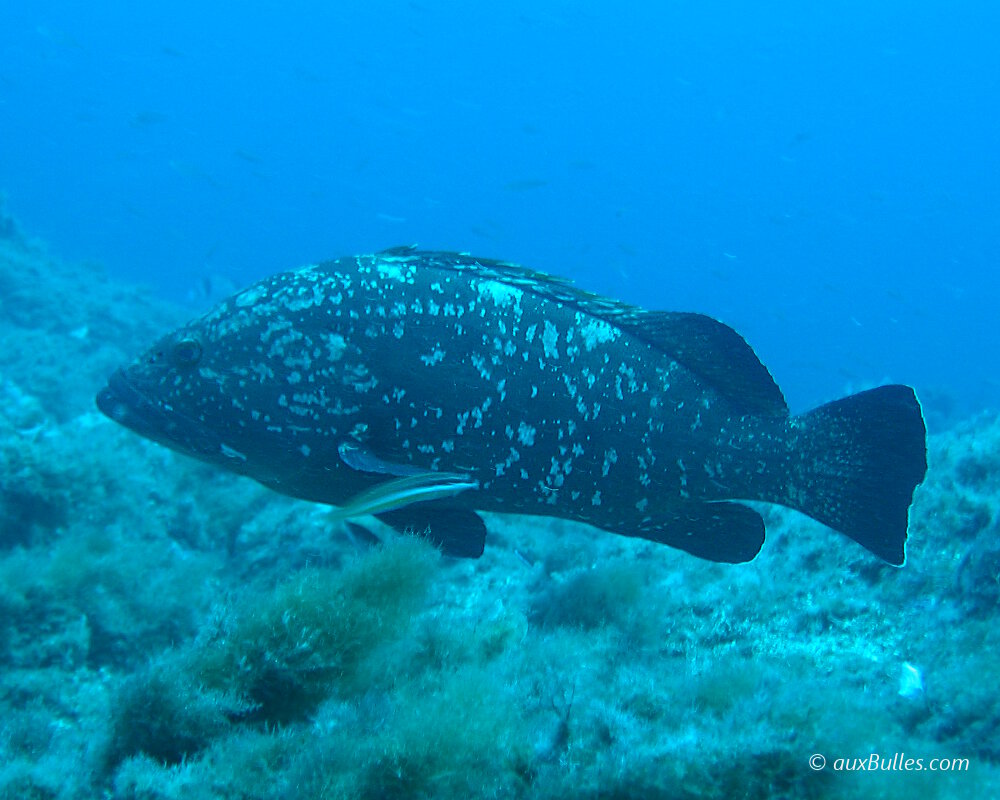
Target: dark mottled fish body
340 378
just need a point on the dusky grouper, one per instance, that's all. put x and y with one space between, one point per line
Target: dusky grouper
424 386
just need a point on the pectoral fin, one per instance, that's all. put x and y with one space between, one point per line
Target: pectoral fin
362 459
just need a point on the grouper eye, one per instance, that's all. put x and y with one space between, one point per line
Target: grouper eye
187 352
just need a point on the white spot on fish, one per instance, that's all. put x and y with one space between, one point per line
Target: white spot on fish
251 296
274 326
480 364
610 458
550 340
594 331
502 294
434 358
305 298
390 271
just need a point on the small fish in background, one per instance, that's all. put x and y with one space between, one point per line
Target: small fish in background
254 164
487 229
209 290
147 118
193 171
525 185
58 39
424 387
247 155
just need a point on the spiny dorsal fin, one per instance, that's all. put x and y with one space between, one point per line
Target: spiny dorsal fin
710 349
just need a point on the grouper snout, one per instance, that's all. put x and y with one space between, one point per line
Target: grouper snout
124 402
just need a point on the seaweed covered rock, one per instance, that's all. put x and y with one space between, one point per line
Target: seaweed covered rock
168 632
274 656
289 650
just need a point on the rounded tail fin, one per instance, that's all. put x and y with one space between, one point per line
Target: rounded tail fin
862 457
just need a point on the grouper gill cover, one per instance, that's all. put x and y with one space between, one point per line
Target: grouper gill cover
422 387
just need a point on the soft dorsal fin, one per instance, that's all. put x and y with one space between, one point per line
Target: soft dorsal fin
710 349
714 352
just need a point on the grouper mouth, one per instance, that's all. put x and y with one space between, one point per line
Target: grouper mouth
125 403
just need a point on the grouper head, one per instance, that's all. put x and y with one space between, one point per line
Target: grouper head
154 397
277 384
224 388
169 395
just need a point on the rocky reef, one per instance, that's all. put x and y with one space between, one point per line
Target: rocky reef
169 631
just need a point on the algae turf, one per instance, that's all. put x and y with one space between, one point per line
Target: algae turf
273 657
312 635
334 651
170 632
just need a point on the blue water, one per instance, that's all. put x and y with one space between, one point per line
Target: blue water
821 176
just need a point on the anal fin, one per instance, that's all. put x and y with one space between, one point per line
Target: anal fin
729 533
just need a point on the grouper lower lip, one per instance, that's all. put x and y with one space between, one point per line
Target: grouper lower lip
125 403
